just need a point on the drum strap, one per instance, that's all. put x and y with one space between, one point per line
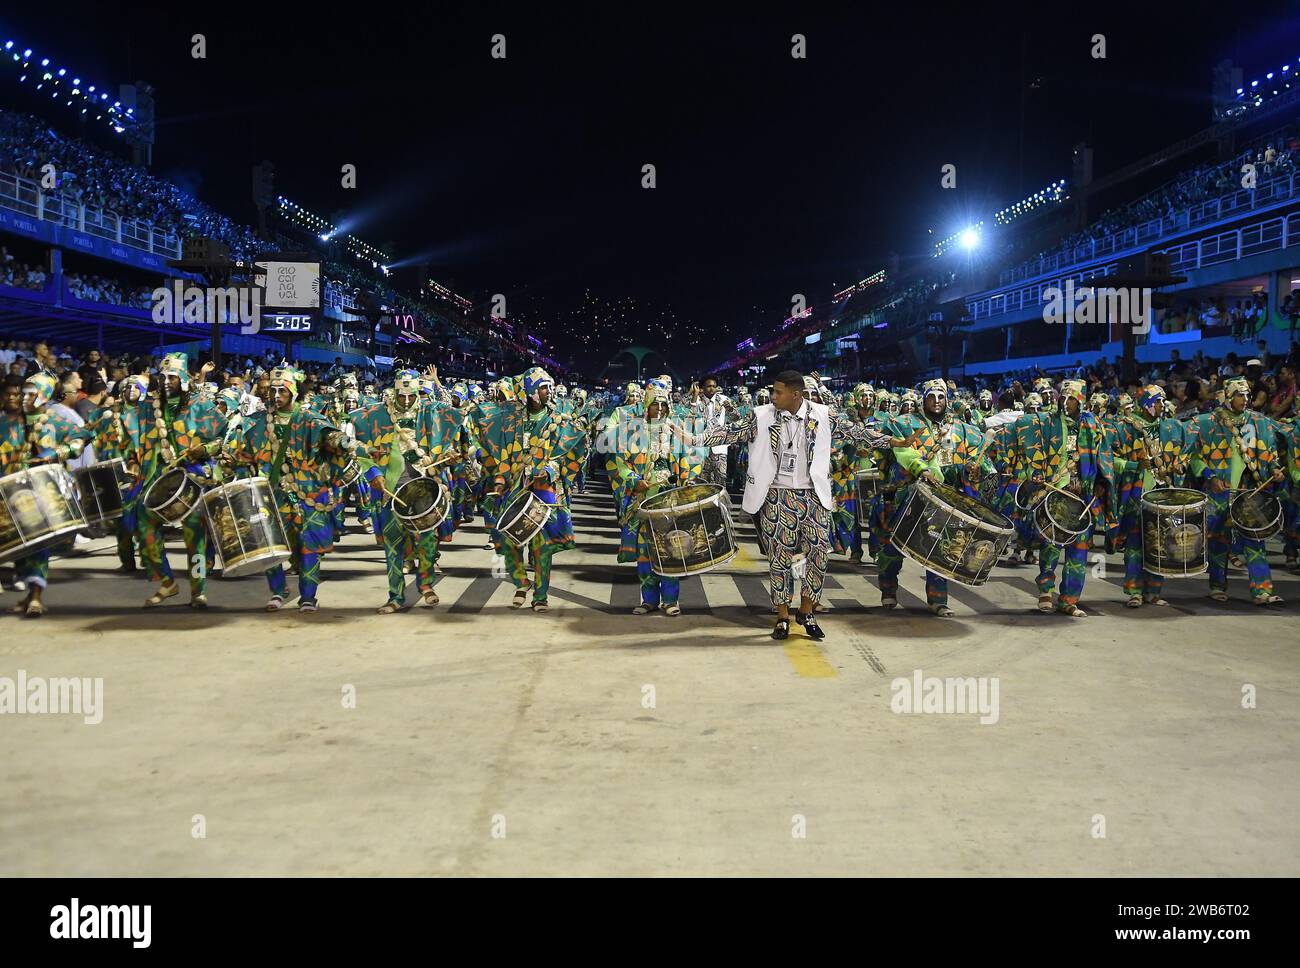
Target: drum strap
281 445
1251 464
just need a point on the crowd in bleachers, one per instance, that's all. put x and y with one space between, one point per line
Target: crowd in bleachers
1274 156
95 178
114 292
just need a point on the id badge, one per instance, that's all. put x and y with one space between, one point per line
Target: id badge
787 462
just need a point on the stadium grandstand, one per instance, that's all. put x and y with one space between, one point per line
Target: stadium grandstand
1223 205
88 234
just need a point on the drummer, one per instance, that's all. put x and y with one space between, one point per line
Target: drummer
398 439
303 457
938 449
178 430
1233 451
535 449
649 462
1150 452
30 435
1069 450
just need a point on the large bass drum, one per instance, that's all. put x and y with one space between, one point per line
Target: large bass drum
1255 514
38 509
100 487
1174 532
245 525
523 518
690 530
421 504
951 534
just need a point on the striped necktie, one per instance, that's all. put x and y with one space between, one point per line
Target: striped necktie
775 434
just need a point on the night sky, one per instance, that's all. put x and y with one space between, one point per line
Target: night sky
775 176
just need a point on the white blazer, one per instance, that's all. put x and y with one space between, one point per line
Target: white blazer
763 463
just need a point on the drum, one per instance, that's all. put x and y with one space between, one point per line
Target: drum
421 504
245 526
350 475
523 518
1061 517
690 530
172 496
99 488
1174 532
868 485
1255 514
951 534
38 508
1028 494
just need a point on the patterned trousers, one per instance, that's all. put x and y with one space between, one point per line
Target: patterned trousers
542 551
794 522
33 569
153 549
1137 580
1222 538
399 545
714 470
654 588
1074 573
311 534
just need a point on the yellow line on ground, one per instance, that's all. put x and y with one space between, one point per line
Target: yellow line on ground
807 659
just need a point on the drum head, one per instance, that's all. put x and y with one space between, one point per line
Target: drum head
971 507
679 498
513 511
1256 512
1173 498
419 496
166 488
1067 512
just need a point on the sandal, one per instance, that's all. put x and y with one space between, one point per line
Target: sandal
1045 602
643 609
674 609
431 597
34 609
275 604
541 607
388 608
158 597
199 601
1134 602
943 611
1074 611
1219 596
888 601
521 596
307 606
1268 600
1154 600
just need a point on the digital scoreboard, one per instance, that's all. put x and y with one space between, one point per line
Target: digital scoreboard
291 296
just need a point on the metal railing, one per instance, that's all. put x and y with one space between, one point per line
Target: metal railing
1269 192
24 195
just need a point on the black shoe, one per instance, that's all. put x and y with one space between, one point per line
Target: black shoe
809 623
782 629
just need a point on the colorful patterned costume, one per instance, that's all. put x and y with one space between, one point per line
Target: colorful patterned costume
1240 450
540 451
1065 452
291 449
651 458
